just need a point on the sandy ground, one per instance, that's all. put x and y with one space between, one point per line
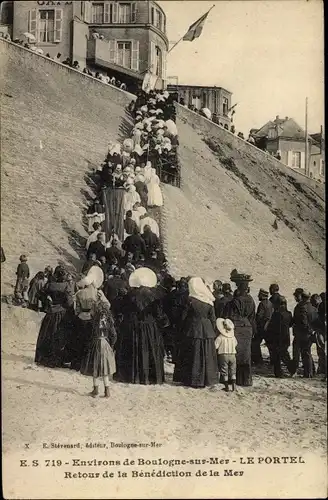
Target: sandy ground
43 405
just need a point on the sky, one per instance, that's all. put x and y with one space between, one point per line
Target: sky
269 54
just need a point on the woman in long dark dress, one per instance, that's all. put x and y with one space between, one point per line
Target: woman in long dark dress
139 347
50 347
196 363
241 311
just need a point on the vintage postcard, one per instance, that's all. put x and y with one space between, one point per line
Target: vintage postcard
163 303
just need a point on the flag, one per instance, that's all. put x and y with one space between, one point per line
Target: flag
149 82
196 29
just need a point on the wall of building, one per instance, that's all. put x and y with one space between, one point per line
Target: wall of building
21 24
211 98
74 31
80 32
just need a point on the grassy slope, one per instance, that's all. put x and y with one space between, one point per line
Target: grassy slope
56 126
222 217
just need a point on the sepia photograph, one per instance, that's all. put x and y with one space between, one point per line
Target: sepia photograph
163 264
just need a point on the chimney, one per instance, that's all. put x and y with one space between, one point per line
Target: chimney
277 117
286 117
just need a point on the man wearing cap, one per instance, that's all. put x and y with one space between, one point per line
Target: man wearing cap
263 315
305 316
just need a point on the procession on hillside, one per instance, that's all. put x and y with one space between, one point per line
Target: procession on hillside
125 315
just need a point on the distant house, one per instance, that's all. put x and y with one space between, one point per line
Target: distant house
284 135
216 99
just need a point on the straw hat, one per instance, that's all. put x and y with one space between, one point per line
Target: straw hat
225 327
94 277
143 277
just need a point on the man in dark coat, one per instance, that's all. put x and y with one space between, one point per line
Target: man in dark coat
274 292
97 247
305 317
22 281
114 252
222 301
130 225
135 244
296 347
113 285
151 240
278 337
217 289
321 336
152 262
263 315
88 263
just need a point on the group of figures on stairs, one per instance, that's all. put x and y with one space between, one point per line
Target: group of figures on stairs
126 313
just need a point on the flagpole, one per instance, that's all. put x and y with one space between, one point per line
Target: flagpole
185 33
306 137
176 43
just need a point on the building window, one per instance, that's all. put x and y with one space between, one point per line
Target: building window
159 62
296 159
158 22
98 13
47 26
124 13
225 106
204 100
272 133
124 54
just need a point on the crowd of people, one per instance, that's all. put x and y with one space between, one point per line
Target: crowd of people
124 315
125 321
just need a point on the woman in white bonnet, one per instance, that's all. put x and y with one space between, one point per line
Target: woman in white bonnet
131 197
148 172
197 364
140 348
155 197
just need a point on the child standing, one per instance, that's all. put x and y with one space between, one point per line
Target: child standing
100 359
225 345
21 287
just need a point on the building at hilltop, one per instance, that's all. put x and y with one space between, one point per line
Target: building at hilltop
216 99
130 36
284 135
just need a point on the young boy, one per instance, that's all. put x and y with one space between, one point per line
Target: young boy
225 345
21 287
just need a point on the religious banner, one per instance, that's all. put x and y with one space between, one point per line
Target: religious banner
113 200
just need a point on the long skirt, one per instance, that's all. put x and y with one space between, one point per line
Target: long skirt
243 336
155 197
197 364
50 347
80 342
139 353
100 359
